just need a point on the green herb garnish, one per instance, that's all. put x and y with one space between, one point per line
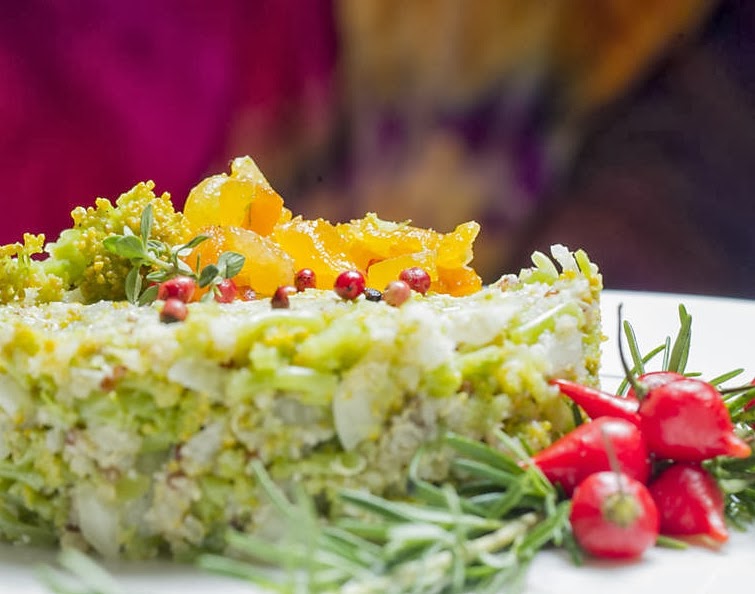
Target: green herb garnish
154 261
440 541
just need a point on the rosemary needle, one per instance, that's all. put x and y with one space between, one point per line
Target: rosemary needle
84 576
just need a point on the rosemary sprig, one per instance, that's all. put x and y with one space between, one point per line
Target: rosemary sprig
442 541
674 356
163 262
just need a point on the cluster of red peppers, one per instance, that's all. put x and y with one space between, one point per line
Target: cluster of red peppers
635 471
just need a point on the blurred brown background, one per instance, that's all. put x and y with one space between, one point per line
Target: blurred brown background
621 126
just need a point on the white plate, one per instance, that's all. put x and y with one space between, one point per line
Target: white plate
723 334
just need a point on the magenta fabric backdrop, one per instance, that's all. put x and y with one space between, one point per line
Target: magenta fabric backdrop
98 94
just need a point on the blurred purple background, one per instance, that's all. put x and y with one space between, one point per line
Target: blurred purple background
629 133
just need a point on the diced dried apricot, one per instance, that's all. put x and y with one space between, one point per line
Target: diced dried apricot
267 265
455 248
243 199
317 245
379 274
372 239
457 281
218 200
266 207
242 212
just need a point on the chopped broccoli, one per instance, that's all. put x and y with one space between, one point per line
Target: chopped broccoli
24 280
78 260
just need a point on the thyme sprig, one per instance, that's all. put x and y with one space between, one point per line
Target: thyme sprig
153 261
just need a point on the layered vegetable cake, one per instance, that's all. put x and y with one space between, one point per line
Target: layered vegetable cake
132 434
135 437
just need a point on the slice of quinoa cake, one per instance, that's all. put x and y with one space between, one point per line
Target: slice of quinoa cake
135 437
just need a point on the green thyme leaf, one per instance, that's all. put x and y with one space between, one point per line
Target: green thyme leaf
133 284
230 264
163 262
156 247
184 249
398 511
513 496
208 275
148 295
146 223
157 276
496 476
184 268
126 246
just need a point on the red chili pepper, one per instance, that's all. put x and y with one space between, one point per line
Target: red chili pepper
654 379
613 516
582 452
689 502
687 421
600 404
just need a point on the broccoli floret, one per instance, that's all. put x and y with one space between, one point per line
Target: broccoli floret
80 257
78 260
23 279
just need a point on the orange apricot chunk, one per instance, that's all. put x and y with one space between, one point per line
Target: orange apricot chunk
267 265
458 282
455 248
317 245
243 199
372 239
380 273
